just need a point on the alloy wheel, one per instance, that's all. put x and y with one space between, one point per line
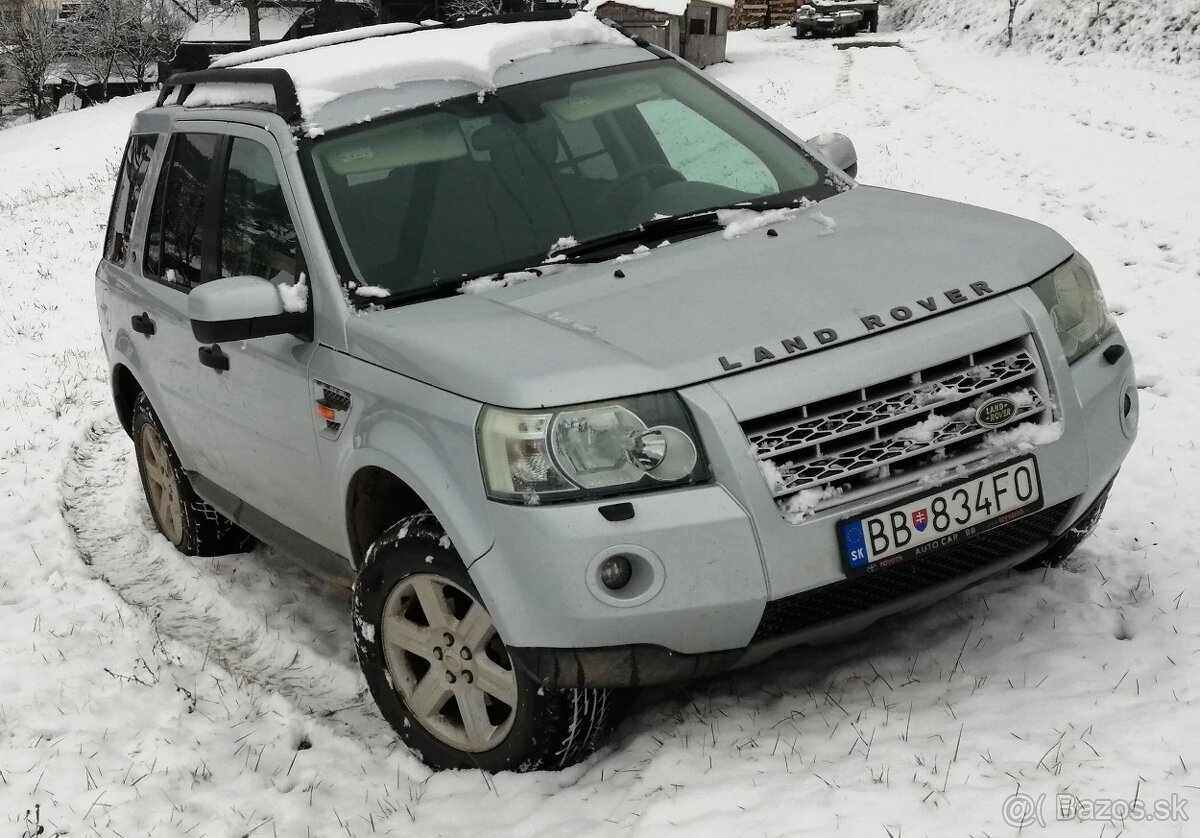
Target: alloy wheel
448 664
162 489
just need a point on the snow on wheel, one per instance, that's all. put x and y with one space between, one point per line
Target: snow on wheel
440 672
185 519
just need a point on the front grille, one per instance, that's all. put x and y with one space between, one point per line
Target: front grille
849 596
874 438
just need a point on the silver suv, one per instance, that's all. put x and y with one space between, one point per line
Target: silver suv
582 373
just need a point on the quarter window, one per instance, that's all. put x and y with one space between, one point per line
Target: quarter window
134 168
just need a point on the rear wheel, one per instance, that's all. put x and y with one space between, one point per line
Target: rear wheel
439 670
193 526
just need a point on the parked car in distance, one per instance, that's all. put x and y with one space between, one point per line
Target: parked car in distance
835 17
580 372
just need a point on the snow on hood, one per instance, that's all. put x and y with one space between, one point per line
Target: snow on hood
471 54
585 334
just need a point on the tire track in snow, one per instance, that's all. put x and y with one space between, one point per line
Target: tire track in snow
889 83
225 621
842 85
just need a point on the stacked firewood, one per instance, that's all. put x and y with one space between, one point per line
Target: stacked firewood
761 14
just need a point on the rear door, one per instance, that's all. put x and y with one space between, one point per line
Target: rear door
169 265
119 272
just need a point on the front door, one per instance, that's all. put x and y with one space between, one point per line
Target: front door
261 410
252 422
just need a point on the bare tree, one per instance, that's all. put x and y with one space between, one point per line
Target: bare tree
474 8
1012 13
93 39
252 12
152 34
107 40
327 15
34 44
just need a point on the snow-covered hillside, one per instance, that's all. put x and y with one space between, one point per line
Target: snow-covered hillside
1141 31
146 693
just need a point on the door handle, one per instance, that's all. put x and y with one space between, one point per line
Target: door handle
143 323
212 356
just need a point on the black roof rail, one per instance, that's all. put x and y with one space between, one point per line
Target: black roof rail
287 104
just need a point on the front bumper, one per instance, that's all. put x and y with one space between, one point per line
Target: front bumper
736 582
818 615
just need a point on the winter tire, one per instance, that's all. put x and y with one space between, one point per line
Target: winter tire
440 672
193 526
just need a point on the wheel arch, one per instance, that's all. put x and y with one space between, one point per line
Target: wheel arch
125 389
380 492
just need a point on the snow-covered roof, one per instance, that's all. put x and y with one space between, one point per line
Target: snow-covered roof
73 73
236 59
471 54
233 26
666 7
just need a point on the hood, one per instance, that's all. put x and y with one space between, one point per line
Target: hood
867 260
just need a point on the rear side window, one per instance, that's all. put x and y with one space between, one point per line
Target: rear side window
257 234
134 168
175 237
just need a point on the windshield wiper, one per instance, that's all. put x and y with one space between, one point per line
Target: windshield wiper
648 232
652 232
684 225
440 288
447 286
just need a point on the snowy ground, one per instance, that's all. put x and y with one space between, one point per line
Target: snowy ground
145 693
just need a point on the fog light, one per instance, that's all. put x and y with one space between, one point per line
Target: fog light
615 572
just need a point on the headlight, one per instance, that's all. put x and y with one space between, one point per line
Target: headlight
589 450
1073 297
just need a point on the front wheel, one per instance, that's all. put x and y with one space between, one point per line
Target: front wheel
439 670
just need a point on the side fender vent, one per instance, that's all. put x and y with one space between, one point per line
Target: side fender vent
332 409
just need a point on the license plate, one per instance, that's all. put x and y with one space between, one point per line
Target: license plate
939 519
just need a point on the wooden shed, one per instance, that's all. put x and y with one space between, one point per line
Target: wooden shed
695 30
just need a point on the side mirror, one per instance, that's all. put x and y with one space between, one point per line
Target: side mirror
239 308
838 150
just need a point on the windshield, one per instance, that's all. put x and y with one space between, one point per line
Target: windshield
479 185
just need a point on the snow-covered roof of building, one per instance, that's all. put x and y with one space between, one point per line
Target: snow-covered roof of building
232 26
666 7
75 71
471 54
